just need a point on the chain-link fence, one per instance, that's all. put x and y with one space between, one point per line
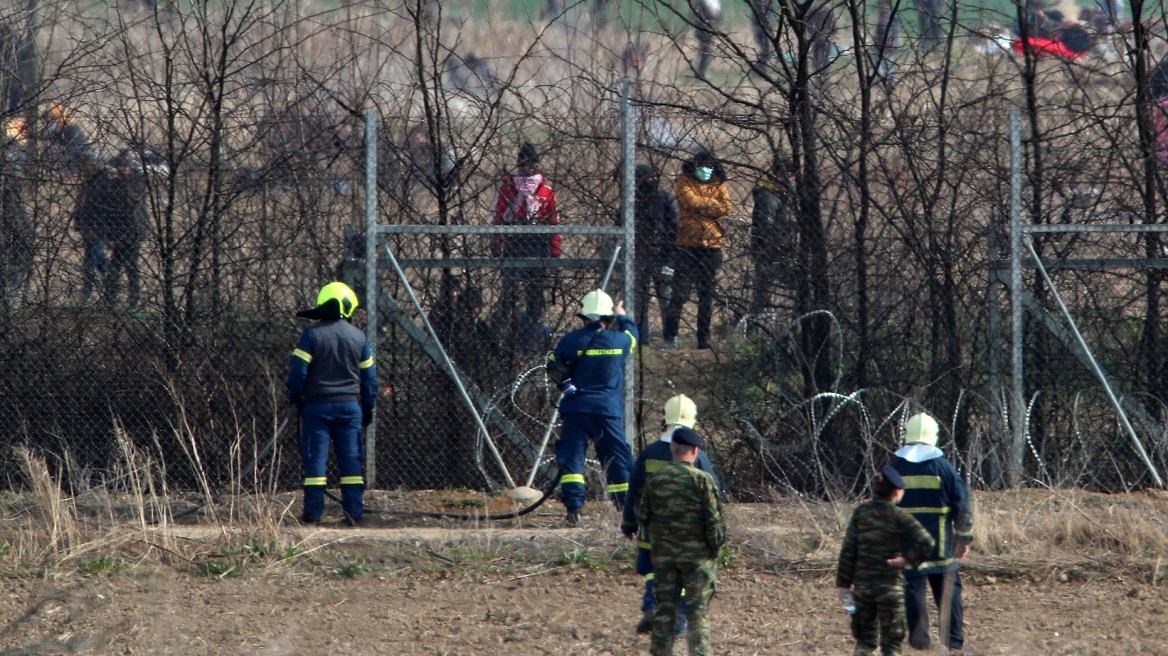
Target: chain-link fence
178 181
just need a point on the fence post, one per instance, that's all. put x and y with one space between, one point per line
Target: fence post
371 284
1017 400
628 154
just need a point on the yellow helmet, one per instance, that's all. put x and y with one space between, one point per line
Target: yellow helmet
596 305
345 297
681 410
920 429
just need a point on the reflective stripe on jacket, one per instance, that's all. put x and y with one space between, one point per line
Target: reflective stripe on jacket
937 497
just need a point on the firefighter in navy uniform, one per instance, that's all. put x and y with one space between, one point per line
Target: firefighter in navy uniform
334 384
937 497
592 359
680 412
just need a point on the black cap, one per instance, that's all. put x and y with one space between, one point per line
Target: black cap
687 436
892 476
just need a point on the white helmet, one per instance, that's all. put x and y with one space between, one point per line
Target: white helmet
596 305
920 429
681 410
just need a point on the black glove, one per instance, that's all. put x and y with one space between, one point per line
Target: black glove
366 417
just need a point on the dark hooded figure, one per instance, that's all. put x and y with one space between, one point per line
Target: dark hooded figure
772 234
655 211
471 74
110 216
703 201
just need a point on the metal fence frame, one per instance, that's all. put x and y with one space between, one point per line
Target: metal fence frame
625 236
1023 256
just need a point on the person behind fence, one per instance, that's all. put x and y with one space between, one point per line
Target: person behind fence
332 381
17 232
125 228
655 212
887 41
682 512
880 541
706 13
936 495
772 234
703 201
589 366
110 216
680 412
762 13
68 145
525 198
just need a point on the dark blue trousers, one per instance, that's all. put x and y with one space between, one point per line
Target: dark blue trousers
615 456
916 608
340 425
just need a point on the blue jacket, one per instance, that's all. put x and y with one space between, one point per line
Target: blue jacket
652 458
332 362
597 357
937 497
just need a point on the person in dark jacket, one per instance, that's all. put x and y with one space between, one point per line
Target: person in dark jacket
680 412
937 497
886 41
703 201
772 234
880 542
762 12
593 405
655 212
332 380
68 145
706 14
125 228
110 216
929 21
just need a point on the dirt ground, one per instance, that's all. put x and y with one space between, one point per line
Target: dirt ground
522 589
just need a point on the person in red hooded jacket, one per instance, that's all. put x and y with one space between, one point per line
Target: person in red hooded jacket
525 198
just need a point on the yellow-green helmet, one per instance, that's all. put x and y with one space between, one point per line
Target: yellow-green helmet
345 297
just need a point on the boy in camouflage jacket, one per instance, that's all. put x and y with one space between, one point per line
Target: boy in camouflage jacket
871 564
683 514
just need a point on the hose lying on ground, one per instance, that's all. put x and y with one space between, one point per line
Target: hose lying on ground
462 516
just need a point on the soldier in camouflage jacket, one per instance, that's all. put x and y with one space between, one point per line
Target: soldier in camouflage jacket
683 513
880 542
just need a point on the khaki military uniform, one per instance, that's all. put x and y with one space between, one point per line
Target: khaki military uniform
877 532
683 515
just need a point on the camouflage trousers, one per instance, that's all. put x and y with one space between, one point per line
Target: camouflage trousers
879 619
697 579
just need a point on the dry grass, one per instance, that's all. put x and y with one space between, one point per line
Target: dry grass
45 530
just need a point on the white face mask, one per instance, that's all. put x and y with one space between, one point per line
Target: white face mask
704 173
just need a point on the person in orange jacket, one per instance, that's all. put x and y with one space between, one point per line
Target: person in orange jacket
703 201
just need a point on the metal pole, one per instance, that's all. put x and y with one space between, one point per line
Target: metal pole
629 153
450 365
1017 401
1095 368
371 285
994 356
